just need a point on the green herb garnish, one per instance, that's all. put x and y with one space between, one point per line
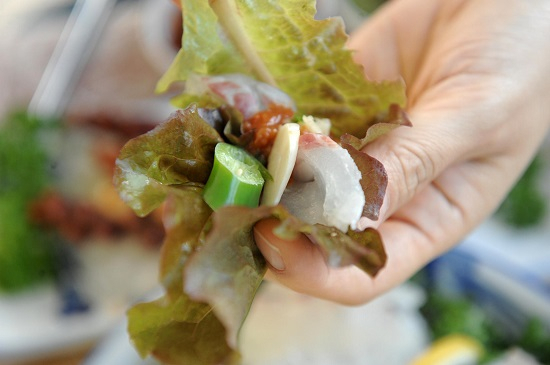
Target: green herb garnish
525 206
461 315
236 178
26 254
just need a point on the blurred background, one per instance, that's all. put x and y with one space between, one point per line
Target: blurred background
73 257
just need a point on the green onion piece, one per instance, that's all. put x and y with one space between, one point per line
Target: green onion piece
236 178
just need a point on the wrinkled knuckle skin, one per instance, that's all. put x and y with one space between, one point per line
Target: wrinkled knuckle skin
415 166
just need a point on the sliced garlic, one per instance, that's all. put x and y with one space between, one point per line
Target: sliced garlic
281 162
313 124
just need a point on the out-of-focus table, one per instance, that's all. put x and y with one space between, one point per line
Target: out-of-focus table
75 357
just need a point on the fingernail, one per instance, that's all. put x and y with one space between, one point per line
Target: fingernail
270 252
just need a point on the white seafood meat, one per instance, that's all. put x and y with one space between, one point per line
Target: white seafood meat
325 185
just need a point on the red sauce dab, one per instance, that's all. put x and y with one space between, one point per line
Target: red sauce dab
264 125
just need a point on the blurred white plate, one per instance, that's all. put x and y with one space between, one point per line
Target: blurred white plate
112 277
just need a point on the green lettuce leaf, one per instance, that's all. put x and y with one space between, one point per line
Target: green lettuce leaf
170 165
179 332
175 328
210 266
228 270
179 152
280 43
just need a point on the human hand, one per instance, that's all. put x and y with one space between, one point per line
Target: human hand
477 76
